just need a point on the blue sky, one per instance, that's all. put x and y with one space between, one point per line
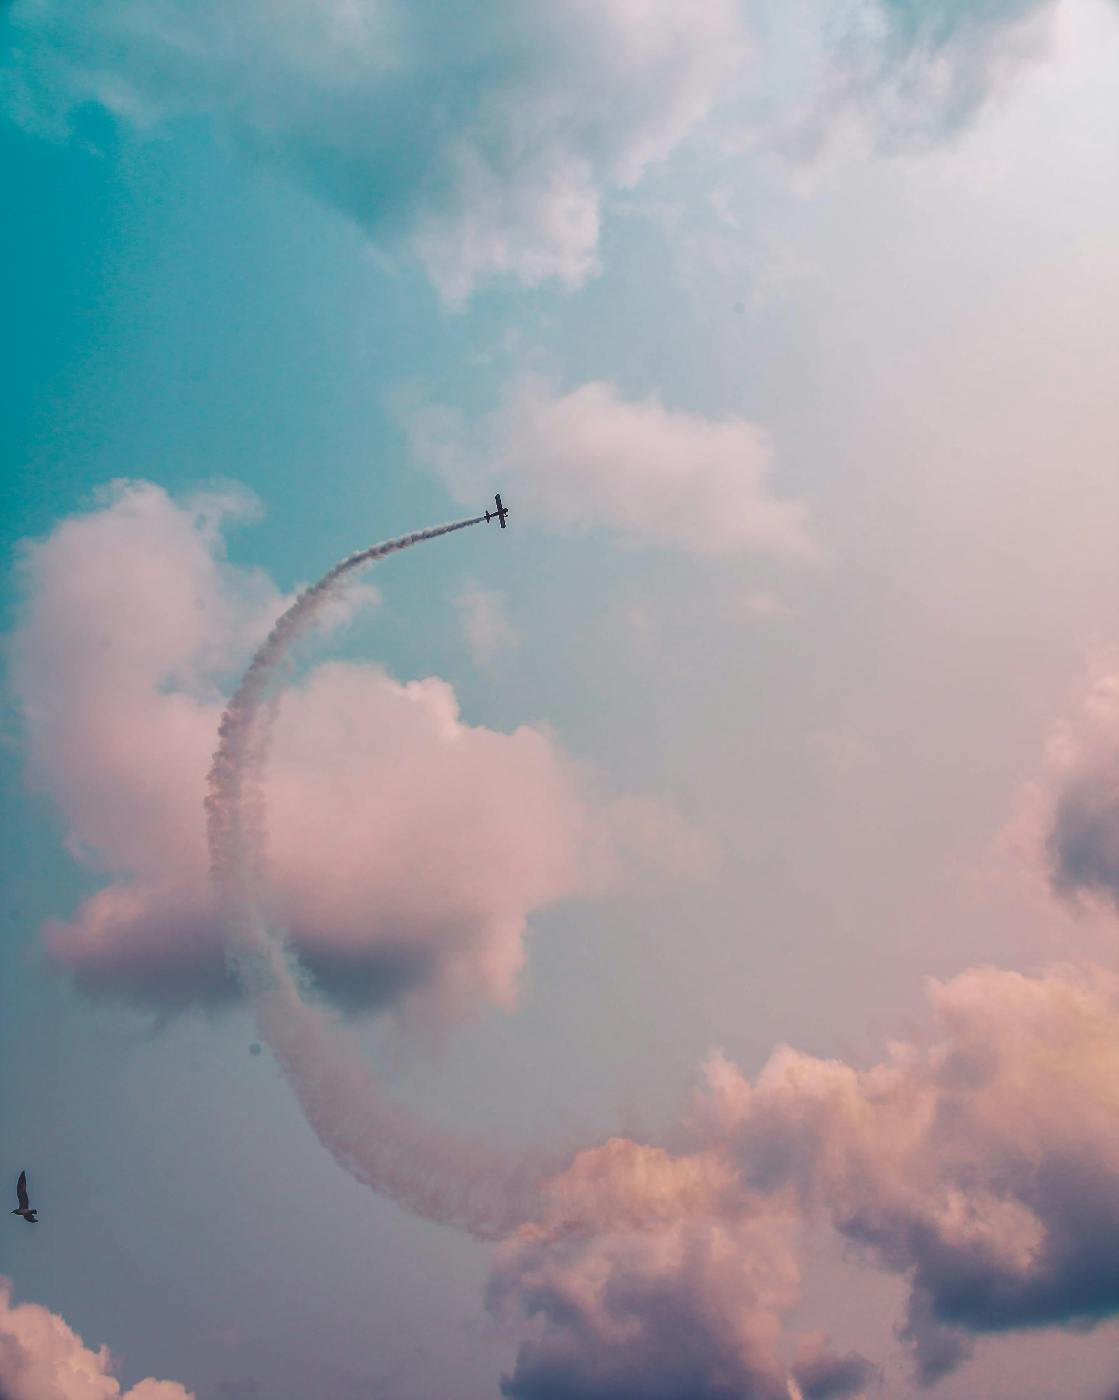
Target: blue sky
671 285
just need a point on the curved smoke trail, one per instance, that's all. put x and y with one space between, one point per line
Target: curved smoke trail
450 1181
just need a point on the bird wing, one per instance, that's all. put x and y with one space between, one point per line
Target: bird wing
21 1190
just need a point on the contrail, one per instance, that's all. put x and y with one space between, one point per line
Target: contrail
443 1179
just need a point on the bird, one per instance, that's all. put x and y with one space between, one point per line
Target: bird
31 1216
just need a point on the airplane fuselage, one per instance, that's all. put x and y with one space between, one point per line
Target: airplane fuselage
499 514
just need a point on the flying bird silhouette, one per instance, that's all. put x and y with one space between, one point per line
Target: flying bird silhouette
31 1216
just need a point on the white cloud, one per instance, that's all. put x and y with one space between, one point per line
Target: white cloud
486 137
590 459
894 73
484 614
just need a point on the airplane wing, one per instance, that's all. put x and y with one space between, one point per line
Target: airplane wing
21 1190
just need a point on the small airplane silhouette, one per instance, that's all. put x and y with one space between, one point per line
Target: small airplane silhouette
24 1208
499 514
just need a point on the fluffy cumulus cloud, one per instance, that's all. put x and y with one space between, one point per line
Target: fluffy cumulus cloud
590 458
485 136
983 1168
383 803
41 1358
669 1286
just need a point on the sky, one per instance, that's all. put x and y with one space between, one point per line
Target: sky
689 916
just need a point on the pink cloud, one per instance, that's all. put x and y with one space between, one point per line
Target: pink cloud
983 1168
651 1273
41 1358
686 1308
385 808
620 1185
591 459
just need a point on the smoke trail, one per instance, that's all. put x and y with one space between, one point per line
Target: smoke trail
450 1181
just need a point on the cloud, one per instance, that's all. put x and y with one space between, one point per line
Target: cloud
484 614
1084 842
687 1313
652 1294
485 139
590 459
41 1358
1079 796
905 72
985 1168
821 1373
488 140
383 804
622 1185
762 605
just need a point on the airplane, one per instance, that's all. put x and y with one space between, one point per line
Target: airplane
499 514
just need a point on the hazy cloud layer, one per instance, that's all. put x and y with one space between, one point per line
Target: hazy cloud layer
484 615
383 804
487 139
41 1358
915 70
590 458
